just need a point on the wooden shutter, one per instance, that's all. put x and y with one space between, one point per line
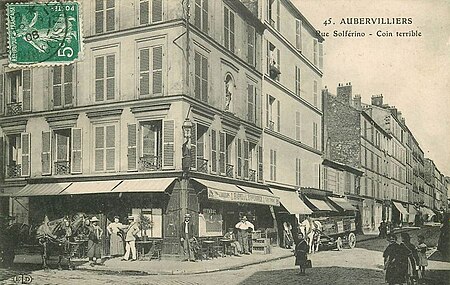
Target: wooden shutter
110 144
99 78
226 27
213 151
110 15
278 14
26 147
267 110
250 103
46 153
250 45
278 63
26 89
239 157
157 11
268 59
315 42
298 34
110 77
99 18
260 163
76 165
99 148
68 84
194 146
2 94
198 13
315 93
143 12
204 79
57 84
197 71
169 143
274 165
278 115
205 20
157 67
231 31
132 147
144 72
297 125
246 159
320 55
222 157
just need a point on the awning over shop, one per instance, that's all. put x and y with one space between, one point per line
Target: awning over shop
321 205
400 207
343 203
144 185
427 211
262 195
231 193
47 189
412 214
91 187
292 202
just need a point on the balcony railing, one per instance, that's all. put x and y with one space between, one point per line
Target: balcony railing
252 175
14 108
62 167
150 163
202 165
230 170
13 171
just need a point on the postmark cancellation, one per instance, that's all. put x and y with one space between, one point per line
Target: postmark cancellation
42 34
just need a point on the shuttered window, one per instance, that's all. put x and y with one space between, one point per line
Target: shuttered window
297 126
298 167
132 147
297 81
150 11
222 152
315 95
316 52
105 153
76 162
46 153
62 81
168 143
194 136
228 29
201 77
151 71
239 157
26 90
214 151
278 14
251 103
2 93
278 116
62 138
246 165
26 148
105 82
260 163
273 165
251 42
315 138
105 16
298 34
201 15
320 55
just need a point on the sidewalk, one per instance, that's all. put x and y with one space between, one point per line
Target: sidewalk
175 267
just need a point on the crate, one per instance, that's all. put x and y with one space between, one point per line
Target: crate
256 234
261 242
264 249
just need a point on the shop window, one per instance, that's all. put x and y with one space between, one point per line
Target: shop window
18 155
201 15
105 16
18 91
228 29
150 11
63 86
210 223
151 222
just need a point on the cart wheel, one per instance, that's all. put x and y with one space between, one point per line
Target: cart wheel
339 243
351 240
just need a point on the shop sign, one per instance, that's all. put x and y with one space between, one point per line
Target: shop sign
242 197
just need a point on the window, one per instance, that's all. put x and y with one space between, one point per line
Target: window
105 16
325 178
150 11
151 145
105 82
270 101
201 15
297 81
273 61
18 91
298 166
251 42
61 152
199 160
151 71
228 29
347 183
298 126
214 150
320 55
18 155
298 34
315 138
273 165
62 81
201 77
315 102
316 52
278 116
251 106
105 148
260 163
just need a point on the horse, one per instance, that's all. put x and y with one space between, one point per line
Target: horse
311 230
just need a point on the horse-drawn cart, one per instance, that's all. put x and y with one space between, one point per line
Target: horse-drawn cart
337 232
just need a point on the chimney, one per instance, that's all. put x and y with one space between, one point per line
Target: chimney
393 111
344 93
357 102
377 100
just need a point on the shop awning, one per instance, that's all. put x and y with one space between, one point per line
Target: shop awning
231 193
91 187
47 189
144 185
261 195
321 205
427 211
343 203
292 202
400 207
412 214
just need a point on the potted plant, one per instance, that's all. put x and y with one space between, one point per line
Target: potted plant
145 224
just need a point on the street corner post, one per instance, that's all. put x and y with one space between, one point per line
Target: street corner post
42 34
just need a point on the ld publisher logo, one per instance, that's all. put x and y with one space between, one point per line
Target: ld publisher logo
23 279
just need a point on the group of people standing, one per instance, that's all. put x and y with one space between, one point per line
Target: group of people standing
404 262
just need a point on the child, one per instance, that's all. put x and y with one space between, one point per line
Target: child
233 242
421 250
301 250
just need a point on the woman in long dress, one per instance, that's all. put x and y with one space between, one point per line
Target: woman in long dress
394 262
301 253
116 245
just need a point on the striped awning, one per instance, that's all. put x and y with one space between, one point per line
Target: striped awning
321 205
292 202
400 208
343 203
144 185
47 189
91 187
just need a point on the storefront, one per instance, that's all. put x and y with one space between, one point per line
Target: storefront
399 214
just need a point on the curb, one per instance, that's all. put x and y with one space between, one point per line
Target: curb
141 273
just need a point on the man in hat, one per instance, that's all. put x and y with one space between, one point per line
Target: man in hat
94 242
187 238
130 239
244 227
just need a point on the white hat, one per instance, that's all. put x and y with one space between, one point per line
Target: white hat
94 219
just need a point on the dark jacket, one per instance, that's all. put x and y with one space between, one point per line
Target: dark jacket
190 230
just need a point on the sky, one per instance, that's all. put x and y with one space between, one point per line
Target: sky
412 73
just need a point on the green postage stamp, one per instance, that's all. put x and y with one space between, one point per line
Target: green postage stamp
41 34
